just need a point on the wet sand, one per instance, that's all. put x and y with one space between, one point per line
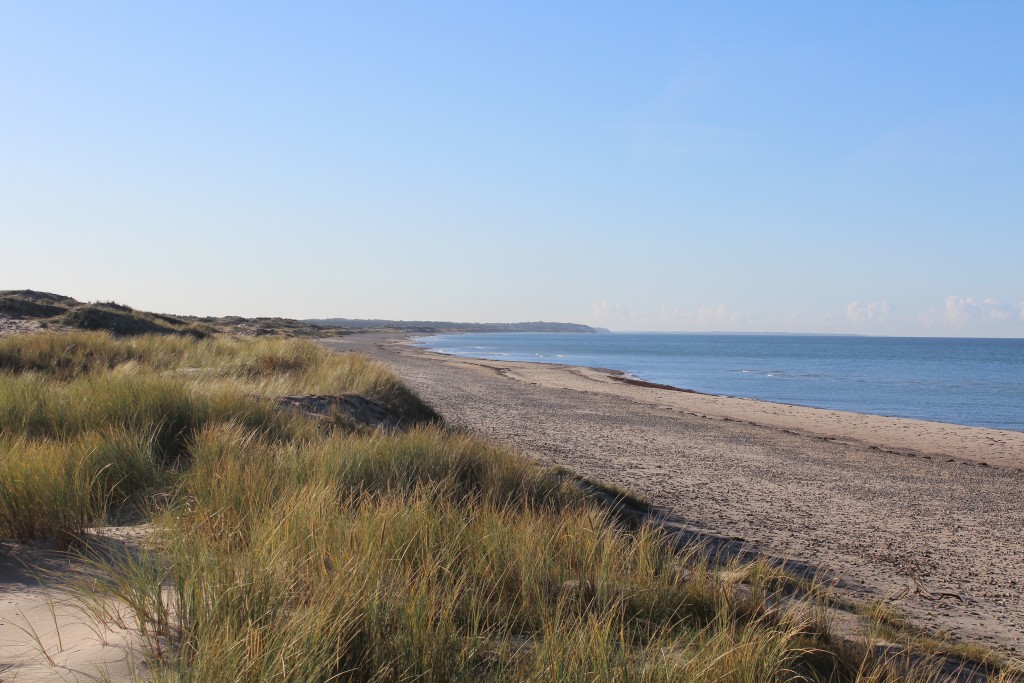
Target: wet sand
927 512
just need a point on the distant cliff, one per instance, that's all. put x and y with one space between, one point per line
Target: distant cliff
429 326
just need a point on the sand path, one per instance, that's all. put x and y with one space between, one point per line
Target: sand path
881 502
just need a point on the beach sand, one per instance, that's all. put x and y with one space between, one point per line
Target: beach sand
928 514
46 634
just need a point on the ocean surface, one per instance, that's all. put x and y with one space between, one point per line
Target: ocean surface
977 382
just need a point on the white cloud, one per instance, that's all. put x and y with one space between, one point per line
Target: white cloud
718 315
672 315
960 311
607 314
668 318
873 312
953 316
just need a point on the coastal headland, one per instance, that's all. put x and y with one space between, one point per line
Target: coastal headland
923 515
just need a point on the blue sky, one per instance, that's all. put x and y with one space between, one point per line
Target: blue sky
784 166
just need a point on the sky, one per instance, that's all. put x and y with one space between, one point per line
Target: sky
852 167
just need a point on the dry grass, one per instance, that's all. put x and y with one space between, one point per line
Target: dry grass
430 556
288 551
90 424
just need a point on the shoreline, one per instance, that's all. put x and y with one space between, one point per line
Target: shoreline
902 436
892 509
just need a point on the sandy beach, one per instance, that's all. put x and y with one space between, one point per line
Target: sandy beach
926 514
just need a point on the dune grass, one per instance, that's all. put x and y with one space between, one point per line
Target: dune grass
90 424
289 550
433 556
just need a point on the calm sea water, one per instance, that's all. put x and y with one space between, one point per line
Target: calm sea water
976 382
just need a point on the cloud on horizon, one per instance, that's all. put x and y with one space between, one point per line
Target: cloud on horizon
874 312
960 311
953 316
668 319
957 315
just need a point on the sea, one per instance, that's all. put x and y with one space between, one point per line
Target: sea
977 382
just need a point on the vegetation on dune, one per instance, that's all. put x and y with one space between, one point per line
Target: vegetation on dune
361 569
63 312
90 424
124 321
293 547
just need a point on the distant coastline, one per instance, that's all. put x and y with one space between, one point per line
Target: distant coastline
442 327
26 310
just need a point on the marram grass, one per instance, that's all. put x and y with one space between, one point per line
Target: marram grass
284 550
442 571
90 424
